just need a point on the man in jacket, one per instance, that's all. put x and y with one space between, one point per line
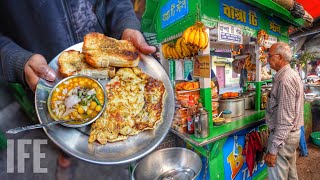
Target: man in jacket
33 32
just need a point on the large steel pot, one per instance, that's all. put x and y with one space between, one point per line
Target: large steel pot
237 106
249 100
169 163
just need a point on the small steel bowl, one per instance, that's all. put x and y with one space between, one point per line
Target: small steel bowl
169 163
80 123
219 122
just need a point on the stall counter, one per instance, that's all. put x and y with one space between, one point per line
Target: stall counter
250 118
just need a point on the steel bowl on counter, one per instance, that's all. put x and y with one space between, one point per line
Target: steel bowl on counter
236 106
169 163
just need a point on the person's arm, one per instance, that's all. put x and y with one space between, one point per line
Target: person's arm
285 116
120 16
13 58
22 66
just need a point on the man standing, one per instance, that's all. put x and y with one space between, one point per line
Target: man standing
284 115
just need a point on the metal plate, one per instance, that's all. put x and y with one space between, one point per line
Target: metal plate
75 140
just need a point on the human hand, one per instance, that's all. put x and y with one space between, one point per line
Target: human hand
270 159
36 68
138 41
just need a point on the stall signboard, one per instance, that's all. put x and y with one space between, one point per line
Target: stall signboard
202 66
239 13
229 33
173 11
274 26
271 40
235 166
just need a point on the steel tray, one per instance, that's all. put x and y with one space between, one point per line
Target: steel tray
74 141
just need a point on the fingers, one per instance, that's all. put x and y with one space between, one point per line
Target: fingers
41 69
142 45
138 41
35 68
31 78
44 71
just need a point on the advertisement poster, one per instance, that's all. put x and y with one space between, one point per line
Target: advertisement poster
202 66
235 165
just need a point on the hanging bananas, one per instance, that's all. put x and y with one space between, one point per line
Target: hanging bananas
196 36
193 39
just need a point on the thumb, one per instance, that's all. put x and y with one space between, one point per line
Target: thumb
40 67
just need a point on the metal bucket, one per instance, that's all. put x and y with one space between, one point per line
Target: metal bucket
169 163
249 100
237 106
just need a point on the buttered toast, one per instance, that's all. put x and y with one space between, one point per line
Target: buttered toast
73 63
102 51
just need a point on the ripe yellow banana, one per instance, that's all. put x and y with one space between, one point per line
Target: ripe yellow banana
202 41
196 37
206 40
170 56
164 51
186 33
175 54
193 49
185 49
191 36
179 48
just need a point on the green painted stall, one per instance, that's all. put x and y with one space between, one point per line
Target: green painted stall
221 151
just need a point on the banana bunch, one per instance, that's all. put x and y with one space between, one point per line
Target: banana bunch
195 36
193 39
169 51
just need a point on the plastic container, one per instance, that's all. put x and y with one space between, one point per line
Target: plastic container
227 116
315 136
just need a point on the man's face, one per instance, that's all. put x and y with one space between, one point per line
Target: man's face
273 58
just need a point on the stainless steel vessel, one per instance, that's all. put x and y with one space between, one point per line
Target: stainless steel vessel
249 100
237 106
201 124
169 163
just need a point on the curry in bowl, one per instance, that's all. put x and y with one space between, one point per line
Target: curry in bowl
79 98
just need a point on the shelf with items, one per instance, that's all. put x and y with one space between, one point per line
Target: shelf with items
250 118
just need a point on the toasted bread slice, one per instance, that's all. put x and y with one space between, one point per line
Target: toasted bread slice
73 63
103 51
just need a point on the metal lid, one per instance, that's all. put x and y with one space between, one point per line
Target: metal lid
227 112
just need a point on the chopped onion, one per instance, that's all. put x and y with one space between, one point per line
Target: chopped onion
71 101
91 92
64 91
85 108
68 111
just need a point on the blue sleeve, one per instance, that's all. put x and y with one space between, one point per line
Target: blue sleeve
120 16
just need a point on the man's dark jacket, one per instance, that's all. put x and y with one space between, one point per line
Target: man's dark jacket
48 27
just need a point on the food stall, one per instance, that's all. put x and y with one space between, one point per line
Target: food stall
189 31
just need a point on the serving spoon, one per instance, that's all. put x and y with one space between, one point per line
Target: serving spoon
36 126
